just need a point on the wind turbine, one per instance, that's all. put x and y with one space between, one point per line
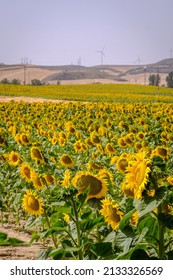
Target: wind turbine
138 60
101 55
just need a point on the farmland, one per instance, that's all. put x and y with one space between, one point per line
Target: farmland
92 180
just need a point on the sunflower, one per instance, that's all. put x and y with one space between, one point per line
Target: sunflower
111 212
2 140
14 158
106 174
66 161
37 180
25 172
122 142
122 164
94 137
94 166
61 141
140 135
162 152
170 180
110 149
67 179
134 219
136 176
138 146
96 184
24 139
49 179
36 154
32 204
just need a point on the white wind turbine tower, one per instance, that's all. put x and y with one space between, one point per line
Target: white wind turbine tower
101 55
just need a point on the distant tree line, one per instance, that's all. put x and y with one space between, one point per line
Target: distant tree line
34 82
155 79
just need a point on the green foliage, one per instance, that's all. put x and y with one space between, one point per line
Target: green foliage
154 80
169 80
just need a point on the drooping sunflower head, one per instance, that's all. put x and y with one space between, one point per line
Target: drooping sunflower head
122 142
24 139
66 160
49 179
32 204
111 212
14 158
25 172
162 152
122 164
37 180
37 154
97 185
94 166
110 149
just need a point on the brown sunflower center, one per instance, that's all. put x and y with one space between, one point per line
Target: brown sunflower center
15 158
114 216
66 159
27 172
37 154
90 181
33 203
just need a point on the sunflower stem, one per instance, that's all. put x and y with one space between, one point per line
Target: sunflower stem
161 236
78 230
52 234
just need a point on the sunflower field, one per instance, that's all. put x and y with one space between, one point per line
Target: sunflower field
92 180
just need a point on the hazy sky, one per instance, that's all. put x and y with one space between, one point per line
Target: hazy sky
58 32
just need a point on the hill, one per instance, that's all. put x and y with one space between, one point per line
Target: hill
70 74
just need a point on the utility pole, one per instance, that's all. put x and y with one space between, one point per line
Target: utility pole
24 68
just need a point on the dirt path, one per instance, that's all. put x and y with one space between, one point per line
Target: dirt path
23 252
29 99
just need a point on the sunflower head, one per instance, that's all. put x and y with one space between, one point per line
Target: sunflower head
37 180
122 164
111 212
25 172
162 152
136 176
24 139
66 160
97 186
110 149
32 204
49 179
122 142
37 154
14 158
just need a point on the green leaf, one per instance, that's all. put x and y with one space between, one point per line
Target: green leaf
86 214
145 206
170 255
7 241
151 223
139 254
127 240
102 249
166 219
52 230
90 224
125 220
